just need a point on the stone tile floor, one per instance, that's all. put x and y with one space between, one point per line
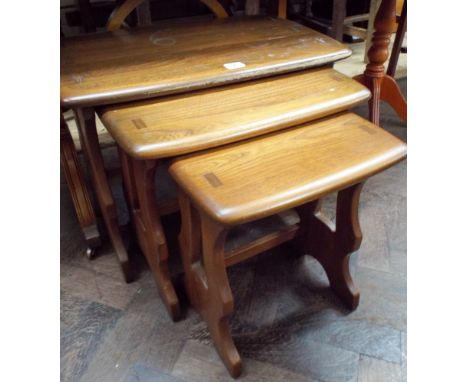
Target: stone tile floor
288 325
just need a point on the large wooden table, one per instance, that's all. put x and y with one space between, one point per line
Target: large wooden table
179 56
172 58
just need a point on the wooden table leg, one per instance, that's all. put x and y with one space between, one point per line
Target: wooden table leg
87 20
382 86
338 19
78 189
86 121
202 245
373 8
333 247
138 177
399 37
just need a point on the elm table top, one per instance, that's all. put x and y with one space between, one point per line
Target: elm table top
179 56
252 179
175 125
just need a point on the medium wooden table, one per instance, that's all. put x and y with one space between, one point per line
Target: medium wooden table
169 58
148 131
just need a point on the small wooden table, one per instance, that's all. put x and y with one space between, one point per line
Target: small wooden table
169 58
250 180
148 131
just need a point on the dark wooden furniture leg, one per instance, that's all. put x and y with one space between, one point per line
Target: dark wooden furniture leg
206 279
144 14
333 247
400 36
78 189
202 243
382 86
86 122
338 19
138 178
86 14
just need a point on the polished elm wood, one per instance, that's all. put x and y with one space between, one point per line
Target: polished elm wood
138 177
382 86
86 121
78 189
206 280
89 143
173 57
181 56
253 179
176 125
73 172
244 182
287 324
333 244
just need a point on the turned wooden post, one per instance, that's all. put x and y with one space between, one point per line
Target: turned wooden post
382 86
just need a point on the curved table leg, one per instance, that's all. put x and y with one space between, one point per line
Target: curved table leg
383 89
202 246
139 189
333 247
78 189
382 86
86 122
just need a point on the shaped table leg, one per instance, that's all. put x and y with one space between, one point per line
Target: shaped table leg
86 122
202 245
78 189
333 247
140 193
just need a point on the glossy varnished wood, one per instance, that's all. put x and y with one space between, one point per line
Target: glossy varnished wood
206 279
86 121
205 260
248 180
138 177
287 324
175 125
332 245
78 189
179 56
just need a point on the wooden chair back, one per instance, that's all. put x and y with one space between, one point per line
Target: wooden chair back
252 7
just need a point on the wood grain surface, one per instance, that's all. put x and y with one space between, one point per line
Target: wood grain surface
79 191
179 56
287 323
249 180
175 125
